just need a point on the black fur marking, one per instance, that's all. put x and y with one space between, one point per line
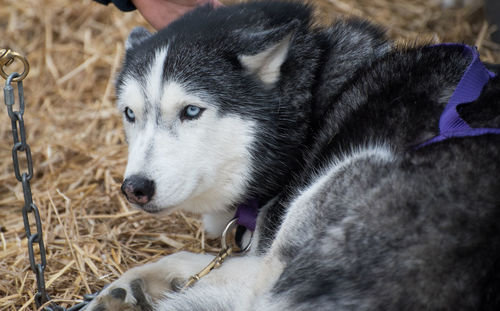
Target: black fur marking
417 232
480 113
177 284
100 307
493 67
137 287
119 293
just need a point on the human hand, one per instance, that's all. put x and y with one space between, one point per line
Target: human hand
160 13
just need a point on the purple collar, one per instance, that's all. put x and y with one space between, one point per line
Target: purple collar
469 88
246 213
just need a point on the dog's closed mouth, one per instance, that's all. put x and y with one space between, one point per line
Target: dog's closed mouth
148 208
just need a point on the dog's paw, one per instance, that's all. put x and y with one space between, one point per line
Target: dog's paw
122 296
142 286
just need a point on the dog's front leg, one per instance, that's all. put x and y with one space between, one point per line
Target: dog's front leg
138 288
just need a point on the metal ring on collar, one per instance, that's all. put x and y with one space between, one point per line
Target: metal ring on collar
232 244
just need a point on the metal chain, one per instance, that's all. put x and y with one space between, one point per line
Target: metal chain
20 145
29 208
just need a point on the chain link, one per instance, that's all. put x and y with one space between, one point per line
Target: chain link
29 208
7 57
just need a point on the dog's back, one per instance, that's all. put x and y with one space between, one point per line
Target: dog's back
328 130
397 226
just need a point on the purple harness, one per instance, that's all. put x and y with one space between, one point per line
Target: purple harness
469 88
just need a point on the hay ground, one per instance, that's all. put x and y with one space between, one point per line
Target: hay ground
92 235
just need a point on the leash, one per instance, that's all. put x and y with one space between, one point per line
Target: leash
245 216
469 89
7 57
246 213
41 297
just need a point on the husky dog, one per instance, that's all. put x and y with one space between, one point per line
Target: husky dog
328 129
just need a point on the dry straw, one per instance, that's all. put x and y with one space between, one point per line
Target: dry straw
92 235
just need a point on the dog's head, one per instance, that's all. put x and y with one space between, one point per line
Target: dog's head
200 102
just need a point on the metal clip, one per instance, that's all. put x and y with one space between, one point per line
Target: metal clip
215 263
7 57
228 248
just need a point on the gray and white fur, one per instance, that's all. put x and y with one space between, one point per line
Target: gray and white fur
319 125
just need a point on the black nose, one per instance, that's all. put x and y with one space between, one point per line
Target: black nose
138 189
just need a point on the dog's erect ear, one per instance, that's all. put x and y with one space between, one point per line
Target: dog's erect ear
266 63
136 36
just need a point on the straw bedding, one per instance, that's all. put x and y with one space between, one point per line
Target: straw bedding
79 151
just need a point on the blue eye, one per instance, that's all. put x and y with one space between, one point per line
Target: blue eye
191 112
129 114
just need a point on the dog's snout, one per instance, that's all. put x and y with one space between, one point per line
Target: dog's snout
138 189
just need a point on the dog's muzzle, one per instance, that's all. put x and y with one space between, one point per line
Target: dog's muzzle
138 189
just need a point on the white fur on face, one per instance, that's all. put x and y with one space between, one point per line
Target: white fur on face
197 165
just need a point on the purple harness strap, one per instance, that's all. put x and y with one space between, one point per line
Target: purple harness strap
469 88
247 214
